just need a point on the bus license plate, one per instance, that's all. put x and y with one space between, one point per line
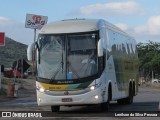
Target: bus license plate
66 99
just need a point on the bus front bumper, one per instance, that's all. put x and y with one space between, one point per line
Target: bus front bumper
91 97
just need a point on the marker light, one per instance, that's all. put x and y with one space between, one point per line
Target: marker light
96 96
92 87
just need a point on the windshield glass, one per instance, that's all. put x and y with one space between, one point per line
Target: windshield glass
67 57
82 60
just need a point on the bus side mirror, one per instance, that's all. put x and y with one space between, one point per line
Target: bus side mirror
100 48
30 51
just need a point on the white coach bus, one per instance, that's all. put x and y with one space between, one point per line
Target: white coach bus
84 62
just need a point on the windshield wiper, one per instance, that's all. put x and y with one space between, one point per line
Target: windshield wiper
56 72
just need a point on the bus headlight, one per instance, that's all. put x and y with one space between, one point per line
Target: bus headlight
96 96
41 89
93 87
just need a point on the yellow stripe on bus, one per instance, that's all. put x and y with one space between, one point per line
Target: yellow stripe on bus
53 87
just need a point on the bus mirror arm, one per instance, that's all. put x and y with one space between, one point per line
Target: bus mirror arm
30 50
100 48
37 47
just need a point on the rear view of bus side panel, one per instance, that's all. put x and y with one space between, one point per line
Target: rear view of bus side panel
122 48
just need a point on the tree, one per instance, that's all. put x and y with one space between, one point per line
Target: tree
149 57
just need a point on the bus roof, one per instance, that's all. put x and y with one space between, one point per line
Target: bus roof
70 26
77 25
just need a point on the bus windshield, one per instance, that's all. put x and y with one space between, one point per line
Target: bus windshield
67 56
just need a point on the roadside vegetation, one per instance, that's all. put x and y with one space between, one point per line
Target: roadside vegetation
149 63
11 52
149 59
150 85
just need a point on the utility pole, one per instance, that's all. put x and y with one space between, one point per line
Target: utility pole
35 22
33 57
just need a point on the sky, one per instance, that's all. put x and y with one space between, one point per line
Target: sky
139 18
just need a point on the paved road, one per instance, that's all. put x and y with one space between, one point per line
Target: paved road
147 100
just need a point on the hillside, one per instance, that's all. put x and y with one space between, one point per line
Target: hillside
11 51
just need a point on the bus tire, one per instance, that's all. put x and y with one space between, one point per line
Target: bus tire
55 108
129 99
134 91
121 101
105 106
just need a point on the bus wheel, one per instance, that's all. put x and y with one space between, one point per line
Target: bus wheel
104 106
120 101
55 108
129 99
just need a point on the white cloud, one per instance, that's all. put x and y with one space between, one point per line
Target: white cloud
152 26
141 29
149 30
143 33
4 21
3 18
114 8
122 26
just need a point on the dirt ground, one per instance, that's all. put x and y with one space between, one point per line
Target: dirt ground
26 98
